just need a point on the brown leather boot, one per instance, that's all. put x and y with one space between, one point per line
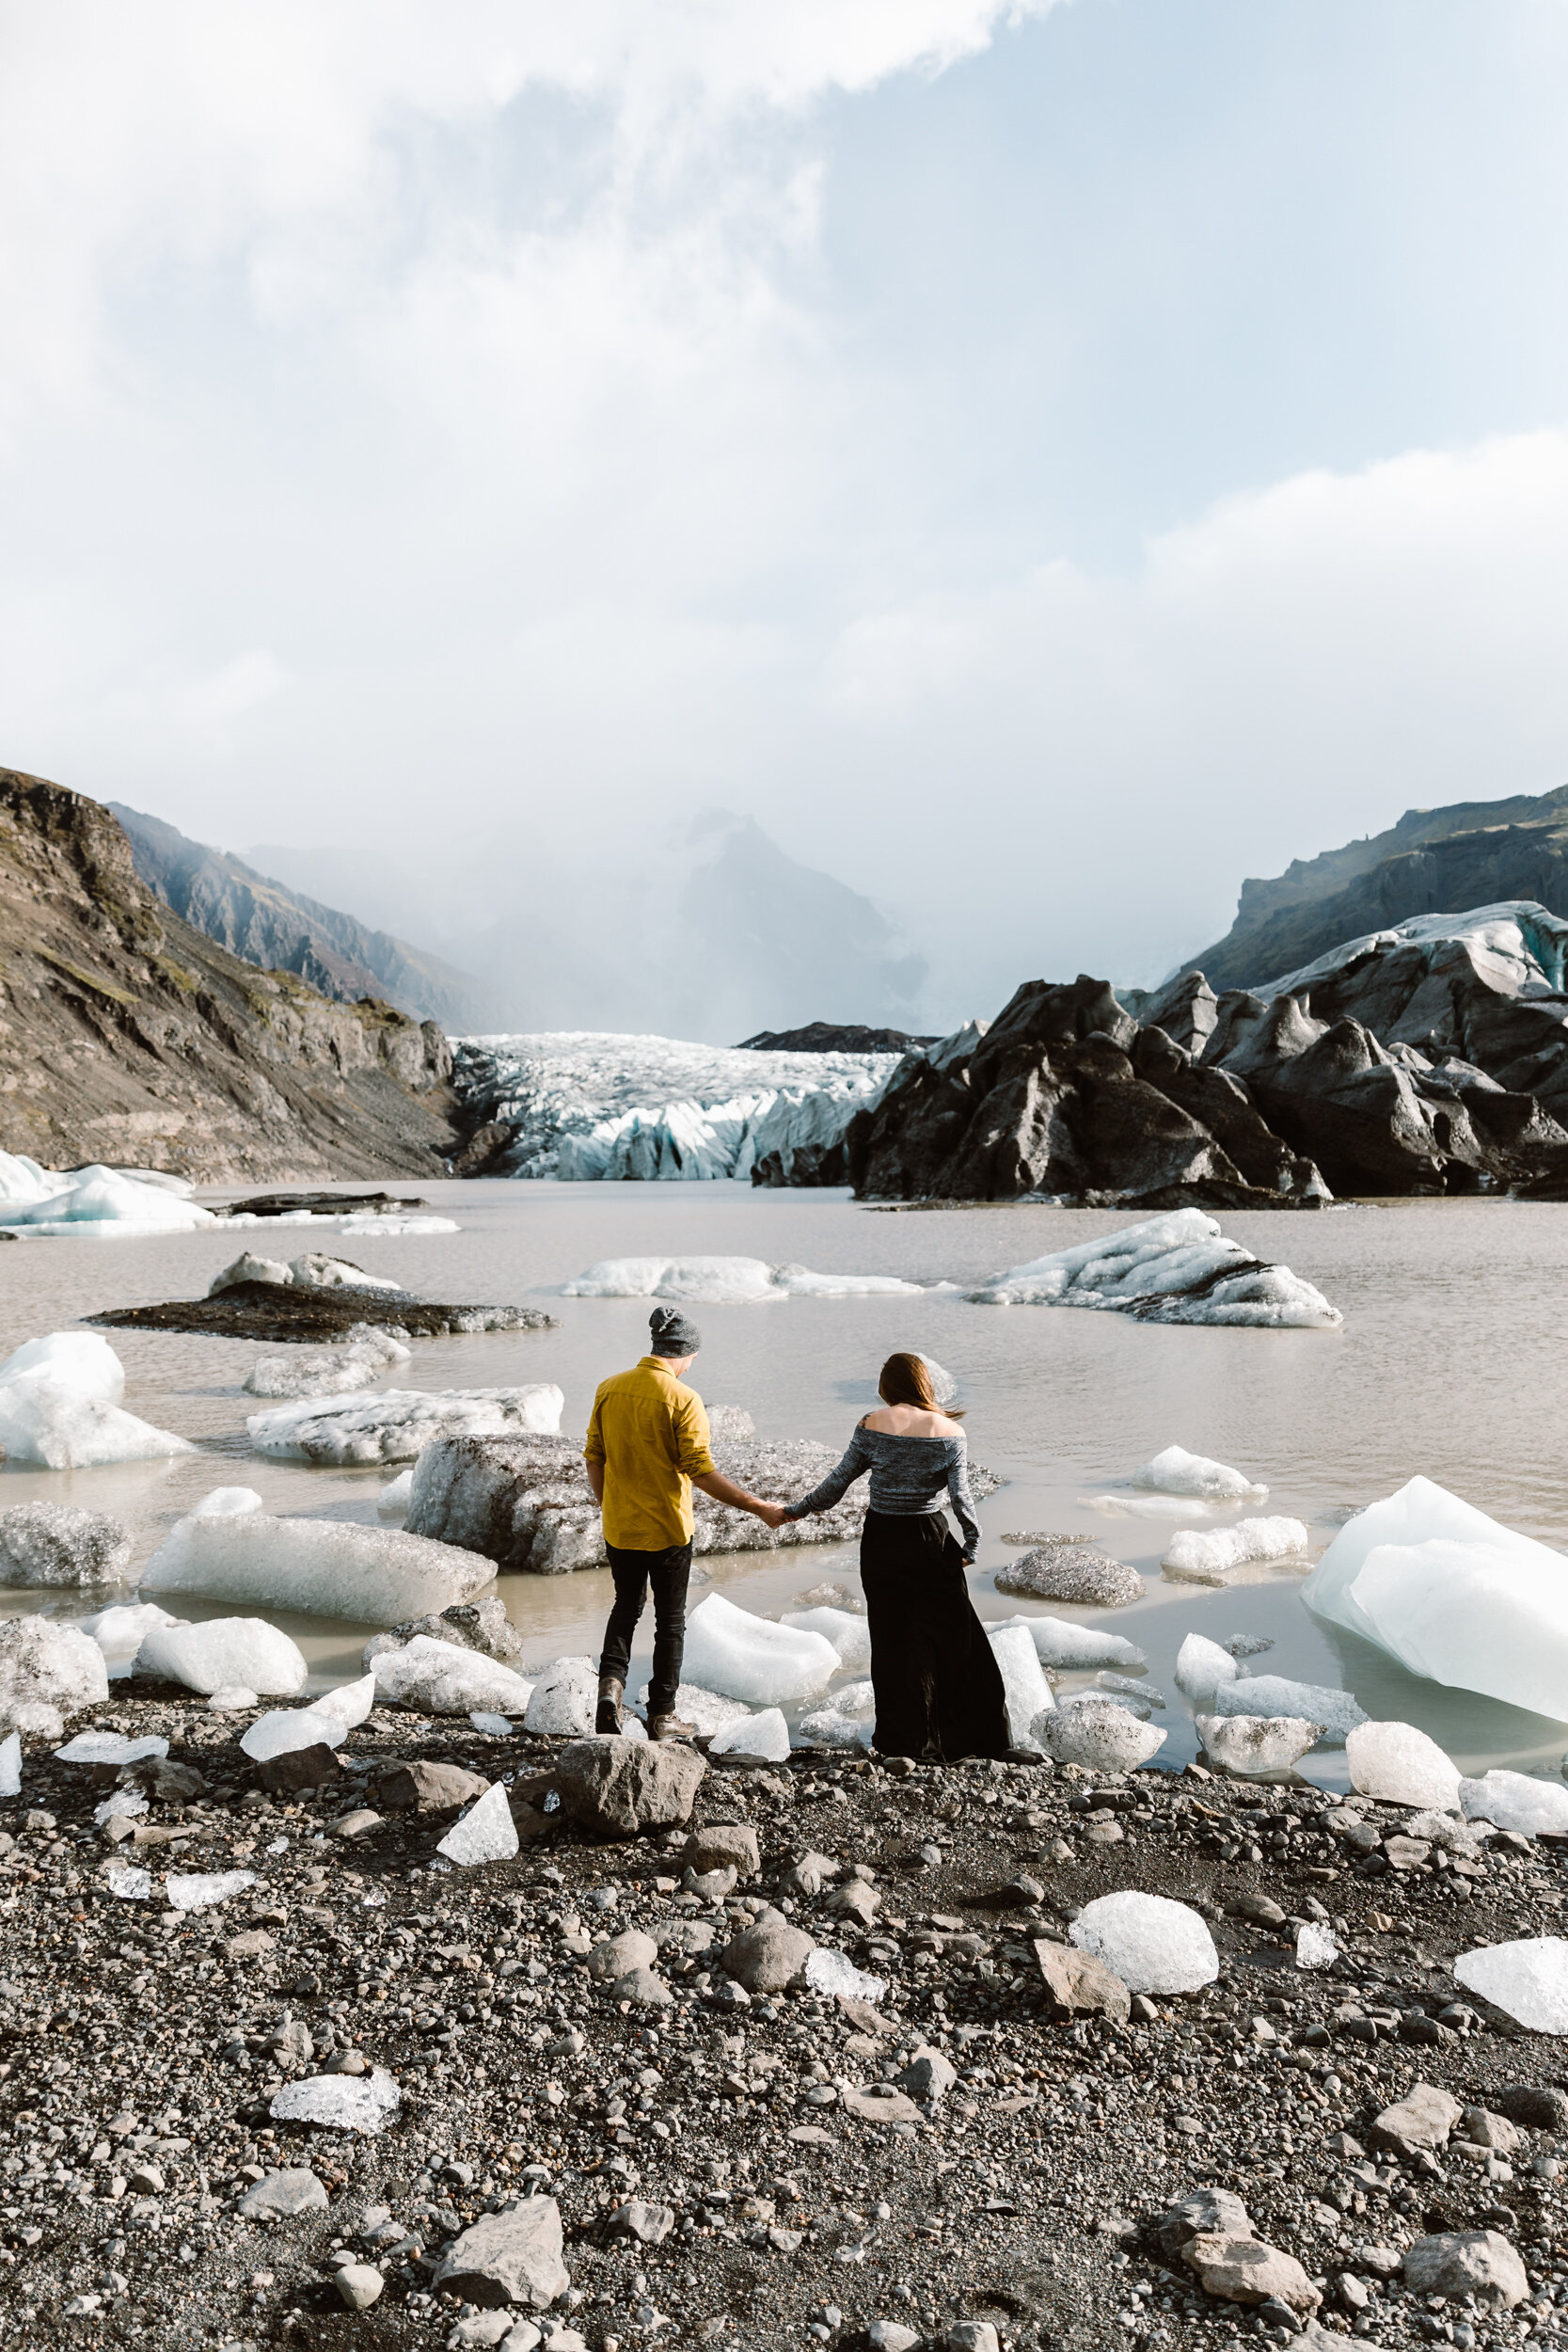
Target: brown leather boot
669 1727
608 1720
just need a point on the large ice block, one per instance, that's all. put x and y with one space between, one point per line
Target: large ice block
327 1567
1097 1734
850 1635
394 1424
1272 1695
1452 1594
1206 1555
1527 1979
1027 1692
120 1631
1402 1766
300 1372
565 1699
1152 1944
1246 1744
765 1735
48 1673
446 1679
1176 1269
1176 1473
56 1543
60 1407
327 1720
1201 1666
742 1657
224 1650
1517 1801
124 1200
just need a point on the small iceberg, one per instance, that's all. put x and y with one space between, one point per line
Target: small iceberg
1177 1268
95 1200
725 1281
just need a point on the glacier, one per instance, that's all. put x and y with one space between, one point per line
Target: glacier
588 1105
1176 1268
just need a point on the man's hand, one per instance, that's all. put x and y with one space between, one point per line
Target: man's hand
774 1514
724 1490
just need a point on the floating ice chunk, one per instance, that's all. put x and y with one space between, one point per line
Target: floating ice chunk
1517 1801
340 2103
765 1734
1248 1745
486 1832
326 1567
128 1886
850 1635
801 1282
228 1502
1094 1733
1201 1666
203 1890
392 1502
394 1424
327 1720
1272 1694
10 1765
48 1673
60 1407
858 1700
53 1543
565 1699
326 1371
120 1631
943 1387
1527 1979
828 1971
1401 1765
446 1679
121 1198
372 1221
1026 1692
1452 1594
705 1710
1178 1472
742 1657
1148 1506
1058 1642
1130 1691
499 1726
723 1282
1315 1947
224 1650
1177 1268
1209 1555
110 1747
1152 1944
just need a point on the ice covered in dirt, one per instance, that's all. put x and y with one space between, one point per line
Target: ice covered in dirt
486 1832
1201 1666
327 1720
60 1407
1027 1692
48 1673
849 1634
1527 1979
1058 1642
765 1735
1246 1744
742 1657
56 1543
1272 1695
564 1698
363 1356
1097 1734
725 1282
446 1679
1452 1594
326 1567
120 1631
99 1200
314 1271
1212 1555
828 1971
1517 1801
223 1650
1153 1945
1176 1473
395 1424
1401 1765
1176 1269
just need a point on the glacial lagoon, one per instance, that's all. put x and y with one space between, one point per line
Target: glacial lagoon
1446 1364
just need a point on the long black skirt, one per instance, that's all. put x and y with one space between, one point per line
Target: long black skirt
937 1682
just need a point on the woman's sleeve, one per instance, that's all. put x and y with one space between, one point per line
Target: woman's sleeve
961 1498
856 1462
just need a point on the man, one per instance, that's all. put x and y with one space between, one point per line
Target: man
647 1447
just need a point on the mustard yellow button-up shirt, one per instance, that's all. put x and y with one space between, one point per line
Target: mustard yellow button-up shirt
650 1433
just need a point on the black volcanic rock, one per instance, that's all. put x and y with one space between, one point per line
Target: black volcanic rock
832 1036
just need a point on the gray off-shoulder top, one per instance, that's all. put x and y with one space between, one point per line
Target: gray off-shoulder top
910 1477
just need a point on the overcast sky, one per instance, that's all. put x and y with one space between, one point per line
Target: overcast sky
1046 462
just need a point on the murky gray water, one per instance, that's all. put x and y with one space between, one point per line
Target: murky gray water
1448 1364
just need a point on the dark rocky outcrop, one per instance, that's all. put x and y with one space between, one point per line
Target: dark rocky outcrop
832 1036
129 1037
277 1311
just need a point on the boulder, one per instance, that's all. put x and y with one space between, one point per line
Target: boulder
1467 2261
721 1844
48 1674
1245 2270
513 2256
768 1955
1483 2129
426 1787
612 1787
1077 1984
311 1767
1540 2108
643 1990
620 1953
1422 2119
1202 2212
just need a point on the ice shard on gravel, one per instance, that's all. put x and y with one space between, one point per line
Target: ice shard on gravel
564 1700
1152 1944
1529 1979
1517 1801
327 1720
446 1679
326 1567
1027 1692
1244 1744
742 1657
340 2103
486 1832
1452 1594
203 1890
224 1650
765 1735
1402 1766
48 1673
1097 1734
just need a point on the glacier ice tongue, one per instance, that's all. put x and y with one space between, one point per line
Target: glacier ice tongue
340 2103
1402 1766
1153 1945
850 1635
725 1282
1025 1690
1060 1641
395 1424
1272 1695
1176 1269
1176 1473
1211 1555
1517 1801
1527 1979
325 1567
203 1890
742 1657
1201 1666
60 1407
765 1735
221 1650
448 1678
486 1832
1451 1595
120 1631
565 1699
1094 1733
1248 1744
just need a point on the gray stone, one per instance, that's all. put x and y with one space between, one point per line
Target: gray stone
971 2335
1079 1984
1467 2261
356 1824
1203 2211
1259 1907
513 2256
808 1873
1383 2261
1423 2118
1485 2130
620 1953
879 2103
617 1788
724 1845
767 1956
1245 2270
313 1767
643 1989
650 2225
292 2042
55 1543
425 1787
891 2335
358 2285
1538 2107
929 2074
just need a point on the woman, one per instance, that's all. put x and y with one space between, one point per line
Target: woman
938 1685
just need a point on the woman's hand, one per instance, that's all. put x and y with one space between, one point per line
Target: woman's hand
772 1514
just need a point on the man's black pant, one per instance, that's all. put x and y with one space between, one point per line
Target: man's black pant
668 1573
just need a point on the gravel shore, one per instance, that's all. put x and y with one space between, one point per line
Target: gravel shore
717 2176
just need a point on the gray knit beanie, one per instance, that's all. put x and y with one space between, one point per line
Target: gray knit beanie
673 1334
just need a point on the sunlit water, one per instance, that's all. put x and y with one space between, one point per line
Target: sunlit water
1448 1364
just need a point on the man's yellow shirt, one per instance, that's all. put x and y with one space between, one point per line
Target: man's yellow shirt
650 1433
